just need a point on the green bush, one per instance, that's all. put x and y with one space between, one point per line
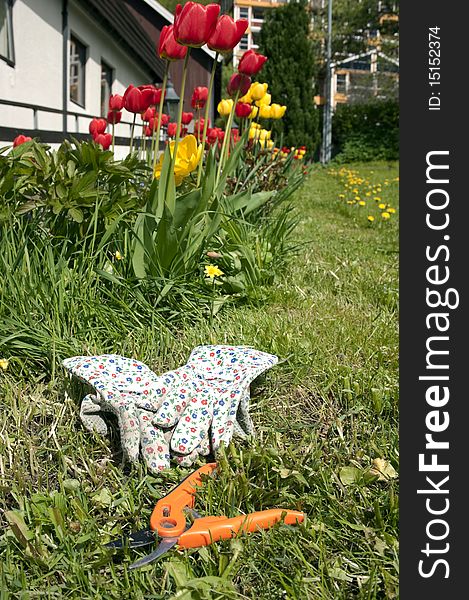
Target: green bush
364 132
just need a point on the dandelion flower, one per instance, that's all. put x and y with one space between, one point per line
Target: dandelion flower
391 210
4 364
385 215
371 218
118 255
342 196
212 271
362 203
382 206
378 198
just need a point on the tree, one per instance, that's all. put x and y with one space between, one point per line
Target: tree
291 72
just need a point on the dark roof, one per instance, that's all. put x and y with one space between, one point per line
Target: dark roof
115 17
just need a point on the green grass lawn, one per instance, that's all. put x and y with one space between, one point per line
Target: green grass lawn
322 416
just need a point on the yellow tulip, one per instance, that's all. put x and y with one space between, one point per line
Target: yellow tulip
258 90
264 134
266 99
264 111
277 111
187 158
254 112
224 107
246 98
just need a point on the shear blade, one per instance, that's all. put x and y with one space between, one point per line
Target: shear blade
164 546
138 539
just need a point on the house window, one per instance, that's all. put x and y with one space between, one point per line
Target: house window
106 87
244 43
243 12
341 85
6 31
256 38
257 13
77 71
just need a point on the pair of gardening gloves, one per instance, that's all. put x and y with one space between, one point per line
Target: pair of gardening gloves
178 415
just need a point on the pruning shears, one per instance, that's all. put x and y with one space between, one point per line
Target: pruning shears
168 521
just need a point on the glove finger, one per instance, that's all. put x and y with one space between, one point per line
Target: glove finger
155 447
194 424
224 417
183 393
129 426
89 416
203 449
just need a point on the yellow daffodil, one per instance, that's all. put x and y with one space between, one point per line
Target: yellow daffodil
371 218
258 90
265 100
4 364
224 107
385 215
277 111
212 271
187 158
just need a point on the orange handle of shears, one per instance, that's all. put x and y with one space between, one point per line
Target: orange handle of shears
168 518
206 530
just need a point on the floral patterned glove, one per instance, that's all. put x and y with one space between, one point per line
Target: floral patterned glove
118 382
210 395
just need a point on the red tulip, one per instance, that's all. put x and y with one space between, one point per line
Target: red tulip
116 102
21 139
105 139
227 34
172 128
251 63
235 135
157 96
137 100
97 126
212 135
199 97
243 110
148 131
199 126
168 47
187 117
153 122
148 114
238 83
113 117
194 23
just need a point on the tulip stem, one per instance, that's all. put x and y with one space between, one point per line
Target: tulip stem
156 139
181 106
207 108
132 134
113 125
226 138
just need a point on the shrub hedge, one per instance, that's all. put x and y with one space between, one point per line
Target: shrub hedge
364 132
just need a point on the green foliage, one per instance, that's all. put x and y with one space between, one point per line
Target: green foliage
291 72
364 132
76 190
322 416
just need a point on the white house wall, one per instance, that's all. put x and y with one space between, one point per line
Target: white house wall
36 77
